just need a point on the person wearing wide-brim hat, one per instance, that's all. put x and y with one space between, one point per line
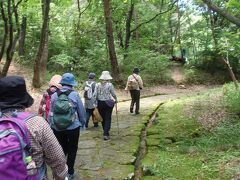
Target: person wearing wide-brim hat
134 85
14 99
68 137
106 98
45 102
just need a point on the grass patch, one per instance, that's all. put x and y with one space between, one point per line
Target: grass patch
182 147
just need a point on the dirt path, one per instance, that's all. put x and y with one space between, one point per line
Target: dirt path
177 73
114 159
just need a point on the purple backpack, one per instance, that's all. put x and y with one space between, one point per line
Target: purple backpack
15 147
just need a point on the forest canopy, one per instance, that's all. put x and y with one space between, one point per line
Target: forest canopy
85 36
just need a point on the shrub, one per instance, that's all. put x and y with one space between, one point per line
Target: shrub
231 98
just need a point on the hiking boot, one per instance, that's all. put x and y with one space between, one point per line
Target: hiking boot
106 138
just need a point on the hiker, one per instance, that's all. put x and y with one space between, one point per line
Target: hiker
106 98
67 115
40 147
134 85
90 102
45 103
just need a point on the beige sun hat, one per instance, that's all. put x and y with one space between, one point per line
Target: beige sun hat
55 80
105 75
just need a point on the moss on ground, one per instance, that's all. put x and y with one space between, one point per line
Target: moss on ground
180 148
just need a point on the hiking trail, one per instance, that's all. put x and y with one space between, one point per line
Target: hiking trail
114 159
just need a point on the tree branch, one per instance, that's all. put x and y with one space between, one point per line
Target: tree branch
222 12
160 13
86 8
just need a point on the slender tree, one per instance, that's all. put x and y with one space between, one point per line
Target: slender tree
40 65
5 35
21 49
110 39
12 32
222 12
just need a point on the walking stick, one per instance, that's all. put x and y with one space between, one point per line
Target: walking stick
117 118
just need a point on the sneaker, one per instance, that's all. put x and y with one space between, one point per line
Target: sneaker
105 138
137 113
70 176
131 110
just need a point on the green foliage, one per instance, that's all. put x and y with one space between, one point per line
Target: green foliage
232 98
185 149
195 75
78 42
155 68
62 61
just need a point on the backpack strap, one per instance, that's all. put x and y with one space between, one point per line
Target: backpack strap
135 78
67 92
23 115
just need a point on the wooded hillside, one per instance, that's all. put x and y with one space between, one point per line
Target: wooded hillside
93 35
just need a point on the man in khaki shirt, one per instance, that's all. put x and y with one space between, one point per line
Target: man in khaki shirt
134 85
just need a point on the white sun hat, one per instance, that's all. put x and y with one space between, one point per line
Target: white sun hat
105 75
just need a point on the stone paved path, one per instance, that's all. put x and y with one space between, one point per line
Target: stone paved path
114 159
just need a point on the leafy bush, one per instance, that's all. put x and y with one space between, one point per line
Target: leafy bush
62 61
198 76
232 98
154 66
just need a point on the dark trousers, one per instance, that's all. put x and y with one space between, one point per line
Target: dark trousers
89 113
135 95
68 139
106 113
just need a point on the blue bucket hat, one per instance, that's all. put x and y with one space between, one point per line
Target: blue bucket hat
68 79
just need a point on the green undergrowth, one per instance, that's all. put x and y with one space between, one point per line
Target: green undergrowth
195 138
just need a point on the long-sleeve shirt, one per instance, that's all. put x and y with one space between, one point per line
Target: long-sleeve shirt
105 91
45 146
77 105
90 103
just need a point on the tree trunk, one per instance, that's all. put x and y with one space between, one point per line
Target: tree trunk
5 20
136 18
12 40
42 53
21 49
172 36
128 29
222 12
110 38
234 79
77 30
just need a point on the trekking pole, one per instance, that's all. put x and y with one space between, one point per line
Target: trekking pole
117 118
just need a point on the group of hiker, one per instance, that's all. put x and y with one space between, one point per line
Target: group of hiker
29 142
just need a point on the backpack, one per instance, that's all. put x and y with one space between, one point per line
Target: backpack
48 105
63 110
133 83
88 90
15 147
